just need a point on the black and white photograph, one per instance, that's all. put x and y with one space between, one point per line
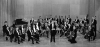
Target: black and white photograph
49 23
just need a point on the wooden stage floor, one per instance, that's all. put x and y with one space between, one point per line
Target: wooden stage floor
60 42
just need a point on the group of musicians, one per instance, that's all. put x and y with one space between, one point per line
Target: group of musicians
51 26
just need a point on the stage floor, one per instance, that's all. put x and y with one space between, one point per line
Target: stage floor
60 42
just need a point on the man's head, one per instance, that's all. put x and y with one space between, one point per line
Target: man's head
5 22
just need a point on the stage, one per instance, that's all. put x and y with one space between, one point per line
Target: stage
60 42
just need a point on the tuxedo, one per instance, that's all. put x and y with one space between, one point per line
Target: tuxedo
69 19
30 36
17 36
76 20
22 34
94 23
53 31
73 35
11 35
31 23
86 22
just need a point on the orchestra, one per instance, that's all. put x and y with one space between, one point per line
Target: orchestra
49 27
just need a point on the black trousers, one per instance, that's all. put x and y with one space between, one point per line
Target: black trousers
53 33
17 38
47 32
11 37
23 37
94 34
72 40
36 38
31 38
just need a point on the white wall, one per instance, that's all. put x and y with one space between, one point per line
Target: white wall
97 13
35 8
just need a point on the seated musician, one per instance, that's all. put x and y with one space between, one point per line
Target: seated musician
17 35
30 34
73 34
66 28
43 29
90 34
11 33
36 33
77 22
86 23
69 19
22 33
81 24
47 29
39 25
94 26
7 33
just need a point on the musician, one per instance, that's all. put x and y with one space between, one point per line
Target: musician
59 22
73 34
90 34
39 23
30 35
7 33
64 29
81 25
5 28
77 20
31 23
22 33
53 31
94 23
17 35
86 21
11 33
69 19
36 33
47 29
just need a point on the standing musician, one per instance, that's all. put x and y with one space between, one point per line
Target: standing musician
94 23
53 31
31 23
